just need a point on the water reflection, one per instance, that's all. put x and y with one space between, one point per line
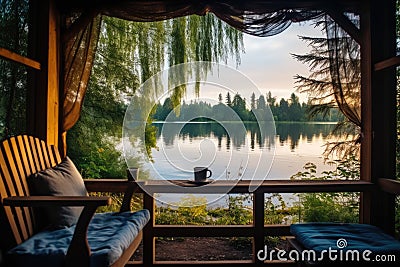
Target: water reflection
286 134
292 133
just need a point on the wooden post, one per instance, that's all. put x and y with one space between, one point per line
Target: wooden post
383 114
366 110
148 231
258 222
43 96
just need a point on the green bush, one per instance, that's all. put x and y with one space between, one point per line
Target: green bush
329 207
190 210
193 210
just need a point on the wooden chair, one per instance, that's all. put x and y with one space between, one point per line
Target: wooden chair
366 236
24 155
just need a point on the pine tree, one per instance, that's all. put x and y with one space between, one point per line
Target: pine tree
228 99
270 100
294 108
253 104
320 85
261 102
220 98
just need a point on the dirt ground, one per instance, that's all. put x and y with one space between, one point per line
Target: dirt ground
200 249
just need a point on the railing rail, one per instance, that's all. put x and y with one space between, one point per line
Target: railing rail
257 230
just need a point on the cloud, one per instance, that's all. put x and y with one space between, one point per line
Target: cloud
268 61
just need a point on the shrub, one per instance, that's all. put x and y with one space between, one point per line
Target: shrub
329 207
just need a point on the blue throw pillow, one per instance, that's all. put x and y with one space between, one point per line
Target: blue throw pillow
60 180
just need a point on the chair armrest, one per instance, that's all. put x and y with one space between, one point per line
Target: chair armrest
389 185
37 201
78 253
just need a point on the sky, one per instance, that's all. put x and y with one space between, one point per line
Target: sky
268 63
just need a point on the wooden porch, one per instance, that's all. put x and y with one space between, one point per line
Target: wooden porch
45 63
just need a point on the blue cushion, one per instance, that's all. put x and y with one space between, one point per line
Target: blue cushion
321 236
109 234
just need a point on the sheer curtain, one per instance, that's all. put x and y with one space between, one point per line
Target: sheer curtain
259 18
345 70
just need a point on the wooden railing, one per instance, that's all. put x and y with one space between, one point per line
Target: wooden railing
257 230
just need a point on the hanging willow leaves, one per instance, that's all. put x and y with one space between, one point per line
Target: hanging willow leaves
200 38
128 54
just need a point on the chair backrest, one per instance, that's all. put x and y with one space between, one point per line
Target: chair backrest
20 156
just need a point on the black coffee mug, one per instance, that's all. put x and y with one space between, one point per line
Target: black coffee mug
201 174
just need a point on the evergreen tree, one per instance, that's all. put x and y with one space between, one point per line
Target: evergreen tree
294 111
271 103
320 86
239 106
286 110
270 100
253 103
220 98
283 114
228 99
261 102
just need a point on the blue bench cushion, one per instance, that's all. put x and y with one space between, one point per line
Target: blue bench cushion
109 234
321 236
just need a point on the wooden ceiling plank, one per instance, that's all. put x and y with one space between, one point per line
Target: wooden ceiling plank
5 53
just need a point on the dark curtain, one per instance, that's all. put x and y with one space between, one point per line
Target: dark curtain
259 18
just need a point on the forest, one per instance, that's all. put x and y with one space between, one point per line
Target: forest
284 110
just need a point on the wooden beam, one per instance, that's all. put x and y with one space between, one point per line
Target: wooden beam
258 222
366 112
345 24
242 186
387 63
390 186
224 186
53 71
43 94
149 245
107 185
7 54
383 110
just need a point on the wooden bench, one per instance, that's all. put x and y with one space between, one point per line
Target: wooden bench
352 239
24 155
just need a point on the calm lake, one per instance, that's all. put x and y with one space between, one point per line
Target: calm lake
241 154
181 146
